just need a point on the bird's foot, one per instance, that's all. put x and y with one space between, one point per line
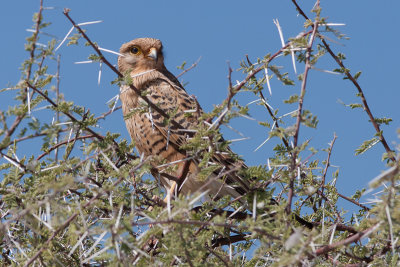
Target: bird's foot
151 244
157 202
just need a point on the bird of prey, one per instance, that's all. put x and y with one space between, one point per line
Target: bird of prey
156 137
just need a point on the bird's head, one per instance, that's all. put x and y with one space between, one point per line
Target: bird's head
140 55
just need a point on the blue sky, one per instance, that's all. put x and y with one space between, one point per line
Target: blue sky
221 32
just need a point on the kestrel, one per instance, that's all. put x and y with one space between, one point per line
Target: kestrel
156 137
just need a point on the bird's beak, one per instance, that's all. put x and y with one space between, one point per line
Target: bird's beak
153 53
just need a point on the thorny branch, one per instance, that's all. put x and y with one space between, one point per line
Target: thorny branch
327 164
270 112
323 250
57 101
353 238
71 218
201 223
389 151
56 146
353 201
299 117
70 116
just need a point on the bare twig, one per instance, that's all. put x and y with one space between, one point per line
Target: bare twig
353 238
327 164
56 146
353 201
188 69
105 114
57 102
389 151
228 240
299 116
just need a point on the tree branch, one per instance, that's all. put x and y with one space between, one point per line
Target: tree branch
299 117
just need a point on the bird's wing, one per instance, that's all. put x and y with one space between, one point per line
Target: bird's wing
181 108
184 109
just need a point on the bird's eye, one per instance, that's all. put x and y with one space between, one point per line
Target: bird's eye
135 50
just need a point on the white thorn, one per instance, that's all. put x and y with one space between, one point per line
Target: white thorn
276 22
84 62
219 118
49 168
97 253
267 78
89 22
333 24
255 206
65 38
174 162
78 243
95 244
109 161
99 78
110 51
333 234
29 101
12 162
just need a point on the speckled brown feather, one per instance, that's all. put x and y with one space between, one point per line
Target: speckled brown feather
151 135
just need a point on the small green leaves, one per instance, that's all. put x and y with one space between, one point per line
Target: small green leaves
309 120
357 75
64 106
366 145
342 70
316 56
94 57
352 105
117 81
380 121
283 77
341 56
292 99
43 82
355 105
182 66
73 40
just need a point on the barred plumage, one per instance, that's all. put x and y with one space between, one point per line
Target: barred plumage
143 58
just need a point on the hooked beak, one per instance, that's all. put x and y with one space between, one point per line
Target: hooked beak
153 53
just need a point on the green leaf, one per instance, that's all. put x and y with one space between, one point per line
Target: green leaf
182 66
292 99
73 40
341 56
357 75
352 105
380 121
94 57
366 145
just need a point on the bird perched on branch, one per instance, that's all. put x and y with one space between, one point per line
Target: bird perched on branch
161 136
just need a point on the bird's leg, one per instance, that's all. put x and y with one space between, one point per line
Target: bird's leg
152 242
170 192
177 183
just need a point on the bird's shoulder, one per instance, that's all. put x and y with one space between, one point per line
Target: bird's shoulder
164 89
